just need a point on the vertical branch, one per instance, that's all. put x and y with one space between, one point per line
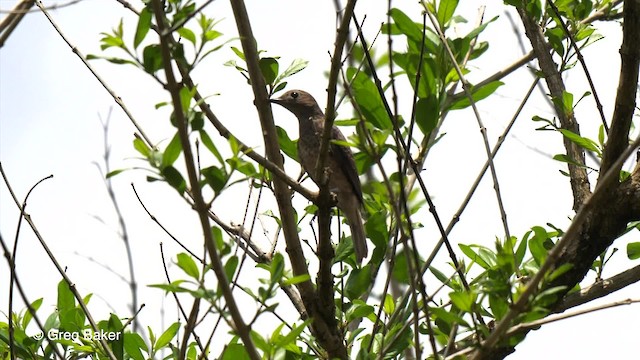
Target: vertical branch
596 98
325 330
543 52
200 205
336 63
627 86
124 234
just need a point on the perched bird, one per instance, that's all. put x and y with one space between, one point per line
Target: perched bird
343 176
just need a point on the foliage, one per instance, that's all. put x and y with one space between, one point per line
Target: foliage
434 65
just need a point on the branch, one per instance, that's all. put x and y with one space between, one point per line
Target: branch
115 97
600 289
627 86
597 199
537 323
596 98
336 63
11 21
61 271
543 52
327 334
201 207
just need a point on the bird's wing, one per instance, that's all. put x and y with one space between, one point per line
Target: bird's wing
344 157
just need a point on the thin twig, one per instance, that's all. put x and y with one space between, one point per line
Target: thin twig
582 63
23 295
342 34
115 97
72 286
483 129
572 232
123 234
537 323
155 220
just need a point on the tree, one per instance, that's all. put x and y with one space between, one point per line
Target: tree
393 304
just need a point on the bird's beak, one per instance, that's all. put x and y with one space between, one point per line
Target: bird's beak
276 101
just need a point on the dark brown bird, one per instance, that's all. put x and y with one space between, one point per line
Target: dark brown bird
343 176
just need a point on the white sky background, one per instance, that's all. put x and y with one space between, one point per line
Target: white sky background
49 124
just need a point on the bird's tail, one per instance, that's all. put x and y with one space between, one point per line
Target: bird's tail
358 236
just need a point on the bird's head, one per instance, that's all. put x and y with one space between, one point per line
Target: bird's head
300 103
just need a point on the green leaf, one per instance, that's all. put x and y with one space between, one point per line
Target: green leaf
369 101
567 159
217 237
172 152
471 254
215 177
463 300
152 58
212 35
583 142
141 147
66 300
564 104
235 352
359 310
411 30
133 344
499 306
293 335
188 265
389 304
113 60
277 268
174 178
296 280
288 146
27 316
633 250
185 98
556 38
601 135
446 8
400 269
187 34
427 114
296 66
536 244
144 24
440 276
114 173
230 267
448 317
167 336
208 143
477 94
559 271
238 52
358 282
521 251
269 69
196 119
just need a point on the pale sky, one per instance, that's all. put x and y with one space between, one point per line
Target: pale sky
50 106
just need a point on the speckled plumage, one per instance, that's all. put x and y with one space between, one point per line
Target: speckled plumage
343 176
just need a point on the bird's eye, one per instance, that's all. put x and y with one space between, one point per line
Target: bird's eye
294 95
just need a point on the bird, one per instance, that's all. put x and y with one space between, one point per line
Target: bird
343 176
